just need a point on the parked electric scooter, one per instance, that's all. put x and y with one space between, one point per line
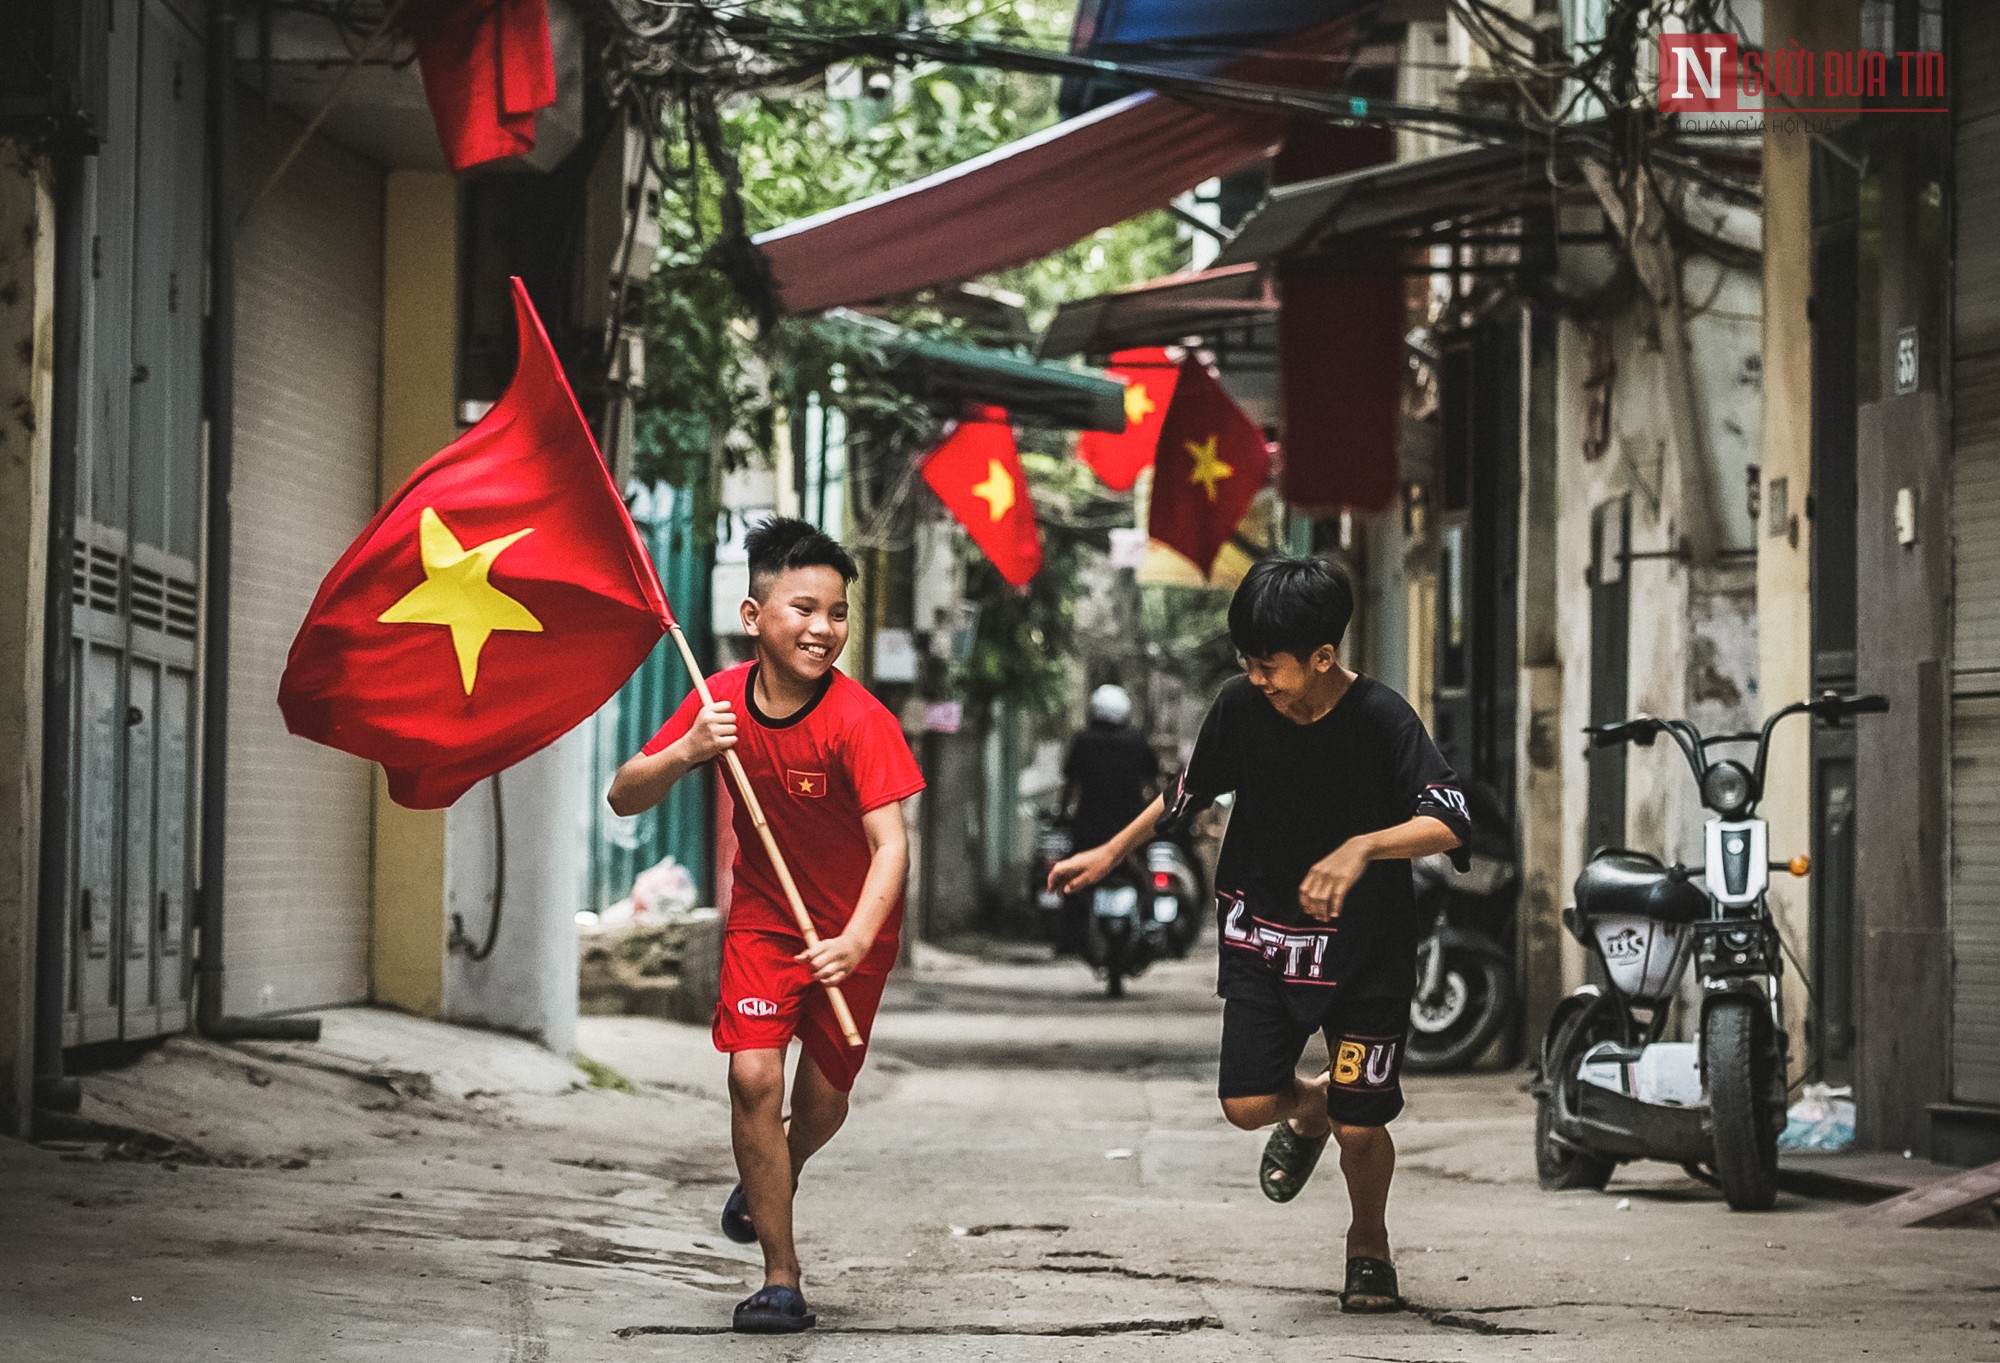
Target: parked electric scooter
1611 1088
1465 996
1052 843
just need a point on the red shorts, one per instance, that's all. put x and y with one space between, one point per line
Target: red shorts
768 998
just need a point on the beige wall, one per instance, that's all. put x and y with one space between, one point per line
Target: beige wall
1784 560
309 328
27 288
419 395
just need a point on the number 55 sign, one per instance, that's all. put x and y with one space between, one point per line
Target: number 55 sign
1906 361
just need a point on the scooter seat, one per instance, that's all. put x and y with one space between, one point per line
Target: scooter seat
1625 884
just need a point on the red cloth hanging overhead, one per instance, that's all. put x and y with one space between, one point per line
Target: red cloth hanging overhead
488 67
1340 346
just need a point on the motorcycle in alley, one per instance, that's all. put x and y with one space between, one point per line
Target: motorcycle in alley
1610 1087
1465 997
1147 908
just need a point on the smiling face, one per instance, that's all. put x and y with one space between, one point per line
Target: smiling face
1292 684
799 621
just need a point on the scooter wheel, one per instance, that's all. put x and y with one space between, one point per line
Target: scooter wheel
1560 1166
1738 1069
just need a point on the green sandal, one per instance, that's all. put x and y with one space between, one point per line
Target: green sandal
1288 1162
1375 1278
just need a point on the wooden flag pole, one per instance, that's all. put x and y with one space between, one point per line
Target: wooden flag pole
842 1014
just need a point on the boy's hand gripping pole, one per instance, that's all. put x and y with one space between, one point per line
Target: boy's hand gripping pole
841 1013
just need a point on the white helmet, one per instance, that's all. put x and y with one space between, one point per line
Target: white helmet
1110 705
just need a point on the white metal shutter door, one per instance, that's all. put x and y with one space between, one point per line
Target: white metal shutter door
1975 515
308 360
1975 900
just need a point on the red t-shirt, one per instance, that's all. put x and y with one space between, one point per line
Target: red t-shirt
816 773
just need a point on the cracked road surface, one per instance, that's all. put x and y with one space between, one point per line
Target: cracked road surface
1031 1172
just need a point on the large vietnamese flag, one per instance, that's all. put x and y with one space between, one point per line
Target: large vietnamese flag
976 472
495 603
1212 462
1118 459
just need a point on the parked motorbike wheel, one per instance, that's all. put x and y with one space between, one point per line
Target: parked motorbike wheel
1738 1080
1452 1025
1560 1166
1117 948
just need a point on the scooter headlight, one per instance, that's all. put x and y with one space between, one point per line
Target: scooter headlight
1727 789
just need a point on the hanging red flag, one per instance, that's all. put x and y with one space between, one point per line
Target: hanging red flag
976 472
488 67
1212 462
1149 378
494 604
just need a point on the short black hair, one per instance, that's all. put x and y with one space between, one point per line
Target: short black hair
1290 605
782 543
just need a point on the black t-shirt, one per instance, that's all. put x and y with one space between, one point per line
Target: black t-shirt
1301 791
1113 768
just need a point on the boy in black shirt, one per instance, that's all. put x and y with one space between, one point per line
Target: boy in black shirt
1337 787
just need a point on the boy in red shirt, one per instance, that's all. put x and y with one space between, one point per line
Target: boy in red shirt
831 769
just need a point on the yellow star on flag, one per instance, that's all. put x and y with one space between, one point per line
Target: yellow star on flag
1208 466
805 785
455 593
998 489
1138 405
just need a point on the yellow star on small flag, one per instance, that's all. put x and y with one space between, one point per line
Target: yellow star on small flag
1138 404
998 489
455 593
1208 466
805 785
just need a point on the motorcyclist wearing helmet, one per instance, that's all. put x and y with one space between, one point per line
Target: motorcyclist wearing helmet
1110 774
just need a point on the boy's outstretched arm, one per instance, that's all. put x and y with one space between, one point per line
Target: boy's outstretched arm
834 959
1326 885
644 780
1091 865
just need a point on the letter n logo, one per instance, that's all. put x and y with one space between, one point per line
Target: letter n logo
1698 73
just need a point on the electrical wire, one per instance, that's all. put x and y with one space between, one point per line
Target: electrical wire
459 940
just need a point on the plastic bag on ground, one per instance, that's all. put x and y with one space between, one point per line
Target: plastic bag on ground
1822 1119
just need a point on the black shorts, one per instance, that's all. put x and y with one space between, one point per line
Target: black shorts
1262 1043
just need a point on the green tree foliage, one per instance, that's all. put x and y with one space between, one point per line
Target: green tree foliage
716 386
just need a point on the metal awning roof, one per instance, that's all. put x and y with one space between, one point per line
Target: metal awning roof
947 376
1018 203
1036 196
1162 311
1399 197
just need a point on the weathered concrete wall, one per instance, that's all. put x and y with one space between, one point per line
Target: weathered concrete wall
27 344
1693 635
529 984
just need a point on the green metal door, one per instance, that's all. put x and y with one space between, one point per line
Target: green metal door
679 826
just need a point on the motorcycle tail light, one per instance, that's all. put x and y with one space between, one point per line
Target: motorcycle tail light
1162 880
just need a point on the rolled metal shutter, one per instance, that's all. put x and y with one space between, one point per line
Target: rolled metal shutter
1975 516
308 361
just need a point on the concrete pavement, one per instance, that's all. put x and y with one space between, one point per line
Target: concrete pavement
1031 1172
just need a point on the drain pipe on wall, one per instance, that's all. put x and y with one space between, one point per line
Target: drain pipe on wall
221 403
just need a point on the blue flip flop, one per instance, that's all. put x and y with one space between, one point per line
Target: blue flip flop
736 1218
773 1311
